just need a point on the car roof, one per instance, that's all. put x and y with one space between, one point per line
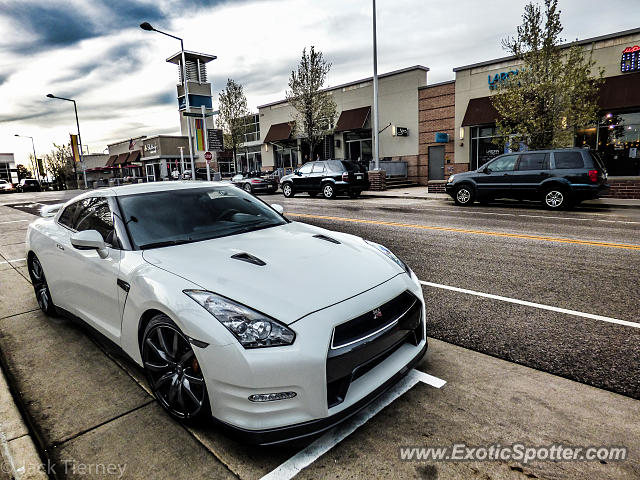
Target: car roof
150 187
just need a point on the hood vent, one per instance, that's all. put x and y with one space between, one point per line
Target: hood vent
247 257
326 239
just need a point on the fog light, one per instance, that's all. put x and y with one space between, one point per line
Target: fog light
270 397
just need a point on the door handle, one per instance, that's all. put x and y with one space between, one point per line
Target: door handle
60 246
123 285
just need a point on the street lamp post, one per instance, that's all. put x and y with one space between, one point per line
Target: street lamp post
147 27
75 108
35 158
376 136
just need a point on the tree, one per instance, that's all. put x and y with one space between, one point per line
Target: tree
23 172
554 91
60 167
316 108
233 115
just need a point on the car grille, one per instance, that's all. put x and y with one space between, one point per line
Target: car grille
359 345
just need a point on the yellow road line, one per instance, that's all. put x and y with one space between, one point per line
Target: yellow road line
473 232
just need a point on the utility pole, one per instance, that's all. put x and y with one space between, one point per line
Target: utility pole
376 135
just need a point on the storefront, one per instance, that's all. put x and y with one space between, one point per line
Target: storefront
464 110
350 134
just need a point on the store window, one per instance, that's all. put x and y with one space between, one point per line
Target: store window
618 141
482 147
358 146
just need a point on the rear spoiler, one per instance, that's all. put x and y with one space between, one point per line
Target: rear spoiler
50 210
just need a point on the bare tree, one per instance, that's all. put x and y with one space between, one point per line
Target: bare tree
316 108
233 115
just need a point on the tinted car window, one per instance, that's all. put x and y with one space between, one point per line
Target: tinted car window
503 164
169 217
318 167
568 159
94 214
335 166
68 216
306 168
533 161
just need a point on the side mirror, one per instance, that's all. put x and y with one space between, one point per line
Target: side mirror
486 170
278 208
297 172
90 240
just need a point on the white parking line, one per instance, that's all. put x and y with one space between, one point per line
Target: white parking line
532 304
13 260
16 221
330 439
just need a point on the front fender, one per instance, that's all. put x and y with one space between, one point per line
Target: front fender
152 288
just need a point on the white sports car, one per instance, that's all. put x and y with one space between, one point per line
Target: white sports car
277 329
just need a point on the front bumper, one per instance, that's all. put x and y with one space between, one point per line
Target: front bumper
233 374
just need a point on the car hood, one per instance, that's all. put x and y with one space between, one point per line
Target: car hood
287 177
302 273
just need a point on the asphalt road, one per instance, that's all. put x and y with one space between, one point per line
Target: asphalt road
586 260
86 404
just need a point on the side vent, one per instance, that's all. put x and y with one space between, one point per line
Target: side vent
247 257
326 239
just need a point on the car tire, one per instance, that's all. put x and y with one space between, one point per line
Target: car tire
328 191
464 195
247 188
555 198
287 190
40 286
173 371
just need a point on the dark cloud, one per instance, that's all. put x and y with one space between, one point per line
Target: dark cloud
3 77
57 25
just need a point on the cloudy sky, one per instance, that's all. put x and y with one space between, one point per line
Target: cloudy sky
94 52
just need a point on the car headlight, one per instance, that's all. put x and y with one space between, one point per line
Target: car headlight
391 255
251 328
450 180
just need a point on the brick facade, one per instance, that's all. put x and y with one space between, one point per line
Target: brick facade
628 188
436 105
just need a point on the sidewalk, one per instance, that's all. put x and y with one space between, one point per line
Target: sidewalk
421 193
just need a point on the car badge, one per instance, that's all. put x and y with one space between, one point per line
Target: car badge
377 313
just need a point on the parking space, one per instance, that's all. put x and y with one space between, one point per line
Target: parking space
86 403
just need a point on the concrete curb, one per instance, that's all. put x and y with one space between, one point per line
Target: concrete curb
19 458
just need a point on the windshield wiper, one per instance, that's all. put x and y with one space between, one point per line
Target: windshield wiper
165 243
254 226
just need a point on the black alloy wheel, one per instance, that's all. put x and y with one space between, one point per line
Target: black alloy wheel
40 286
173 370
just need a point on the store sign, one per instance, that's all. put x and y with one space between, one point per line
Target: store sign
400 131
442 137
215 140
630 61
150 149
498 78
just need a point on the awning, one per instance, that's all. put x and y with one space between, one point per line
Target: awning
112 159
621 91
353 119
134 156
279 132
122 158
480 111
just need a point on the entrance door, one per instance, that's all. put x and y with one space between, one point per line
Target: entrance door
151 174
436 163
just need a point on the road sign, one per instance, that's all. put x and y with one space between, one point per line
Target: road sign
216 143
197 115
208 156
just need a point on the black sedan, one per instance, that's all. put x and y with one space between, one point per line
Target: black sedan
255 183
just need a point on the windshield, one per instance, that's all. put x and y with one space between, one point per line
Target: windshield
172 217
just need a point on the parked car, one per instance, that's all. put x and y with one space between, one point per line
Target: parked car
558 178
29 185
255 183
201 174
329 177
6 187
135 262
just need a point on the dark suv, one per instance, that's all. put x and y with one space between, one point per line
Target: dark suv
329 177
558 178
